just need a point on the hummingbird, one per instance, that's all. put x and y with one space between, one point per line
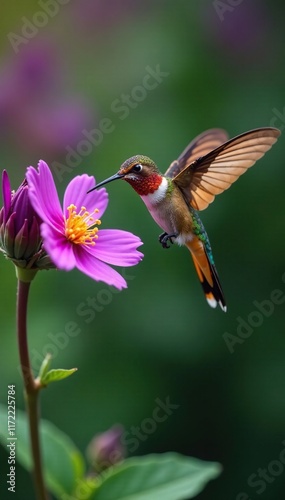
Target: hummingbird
209 165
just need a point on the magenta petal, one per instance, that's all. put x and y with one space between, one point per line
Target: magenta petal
43 195
96 269
59 249
117 247
6 190
76 194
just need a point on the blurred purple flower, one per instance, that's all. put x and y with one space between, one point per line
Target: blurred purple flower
34 108
106 449
71 236
54 127
239 29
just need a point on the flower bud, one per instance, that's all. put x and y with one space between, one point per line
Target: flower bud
106 449
20 238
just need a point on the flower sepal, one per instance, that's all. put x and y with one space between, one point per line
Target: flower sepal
38 262
25 275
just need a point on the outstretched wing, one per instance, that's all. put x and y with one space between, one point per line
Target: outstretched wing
215 172
200 146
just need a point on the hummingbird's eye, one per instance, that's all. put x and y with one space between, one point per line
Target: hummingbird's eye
137 168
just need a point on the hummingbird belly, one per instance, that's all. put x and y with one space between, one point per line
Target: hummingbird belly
170 219
156 204
163 222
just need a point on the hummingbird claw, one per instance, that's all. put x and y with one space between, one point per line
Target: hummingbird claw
164 238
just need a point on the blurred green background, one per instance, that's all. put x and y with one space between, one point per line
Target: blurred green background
224 67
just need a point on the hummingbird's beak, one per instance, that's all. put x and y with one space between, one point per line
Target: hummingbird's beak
110 179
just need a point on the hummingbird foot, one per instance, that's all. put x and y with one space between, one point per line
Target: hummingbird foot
164 238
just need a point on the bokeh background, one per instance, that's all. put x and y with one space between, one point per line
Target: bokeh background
223 65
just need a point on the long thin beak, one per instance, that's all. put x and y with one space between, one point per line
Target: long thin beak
110 179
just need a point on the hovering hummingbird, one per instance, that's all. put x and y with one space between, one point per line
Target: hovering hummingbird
207 167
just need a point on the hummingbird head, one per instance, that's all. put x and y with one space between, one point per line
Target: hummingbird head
140 172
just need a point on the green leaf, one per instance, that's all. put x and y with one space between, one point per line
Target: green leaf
169 476
44 366
47 376
63 463
55 375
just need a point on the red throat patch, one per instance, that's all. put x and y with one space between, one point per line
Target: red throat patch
145 185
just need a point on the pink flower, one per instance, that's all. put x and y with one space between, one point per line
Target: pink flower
71 235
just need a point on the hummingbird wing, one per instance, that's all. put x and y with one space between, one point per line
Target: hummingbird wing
200 146
209 175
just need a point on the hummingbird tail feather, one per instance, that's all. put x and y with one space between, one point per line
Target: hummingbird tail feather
207 274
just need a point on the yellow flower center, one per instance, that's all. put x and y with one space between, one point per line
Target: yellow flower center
79 227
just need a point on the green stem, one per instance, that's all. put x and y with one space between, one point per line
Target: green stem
31 388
